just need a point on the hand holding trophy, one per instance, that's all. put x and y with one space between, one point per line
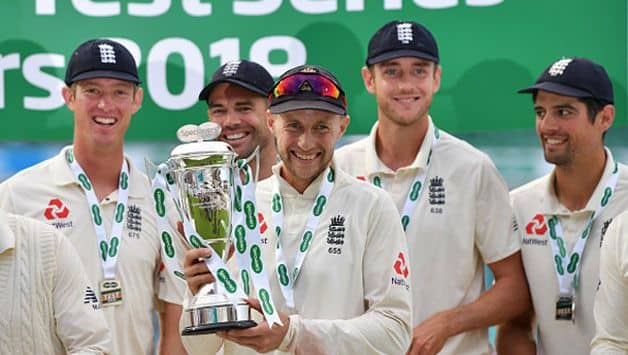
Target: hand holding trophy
215 198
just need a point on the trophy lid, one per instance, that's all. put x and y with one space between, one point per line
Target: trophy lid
202 148
199 141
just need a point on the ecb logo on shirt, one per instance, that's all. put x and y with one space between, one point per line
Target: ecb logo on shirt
605 226
336 235
134 221
437 194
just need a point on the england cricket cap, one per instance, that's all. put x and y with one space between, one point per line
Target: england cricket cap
307 87
101 58
402 39
244 73
576 77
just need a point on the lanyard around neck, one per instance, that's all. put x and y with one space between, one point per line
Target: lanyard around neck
416 187
287 279
108 246
567 266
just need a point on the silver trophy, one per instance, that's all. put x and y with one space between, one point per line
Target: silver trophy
203 172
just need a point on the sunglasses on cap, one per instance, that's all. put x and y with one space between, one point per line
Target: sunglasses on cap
301 83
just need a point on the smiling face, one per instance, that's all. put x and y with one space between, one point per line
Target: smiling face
566 133
403 88
102 110
305 142
241 114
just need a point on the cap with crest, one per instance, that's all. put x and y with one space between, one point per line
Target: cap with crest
576 77
307 87
101 58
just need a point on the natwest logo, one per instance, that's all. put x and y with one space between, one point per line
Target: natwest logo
536 226
400 266
56 209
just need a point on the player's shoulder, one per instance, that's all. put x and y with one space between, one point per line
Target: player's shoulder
354 189
530 190
39 172
459 148
352 150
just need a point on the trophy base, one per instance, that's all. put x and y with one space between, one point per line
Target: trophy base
213 328
209 318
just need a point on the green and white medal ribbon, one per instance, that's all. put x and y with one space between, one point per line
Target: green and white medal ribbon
568 268
224 280
109 247
287 280
246 237
160 186
416 187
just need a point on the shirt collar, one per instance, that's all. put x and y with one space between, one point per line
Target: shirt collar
285 189
374 165
62 174
550 203
7 238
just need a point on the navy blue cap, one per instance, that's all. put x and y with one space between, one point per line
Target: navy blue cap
306 97
101 58
402 39
244 73
576 77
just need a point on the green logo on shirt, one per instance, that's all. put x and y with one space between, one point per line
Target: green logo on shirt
69 157
552 226
119 212
96 215
196 243
573 262
85 181
561 247
240 234
559 265
264 298
320 204
170 178
159 198
113 250
276 203
377 181
226 280
405 220
416 189
607 195
278 232
237 201
256 259
245 281
330 175
305 242
124 181
283 274
249 210
103 250
167 240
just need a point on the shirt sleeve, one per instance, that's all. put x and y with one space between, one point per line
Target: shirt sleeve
611 301
495 236
80 322
385 326
6 199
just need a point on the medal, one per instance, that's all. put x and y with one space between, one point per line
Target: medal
566 308
110 292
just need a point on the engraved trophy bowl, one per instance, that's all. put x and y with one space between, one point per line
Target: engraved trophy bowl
203 173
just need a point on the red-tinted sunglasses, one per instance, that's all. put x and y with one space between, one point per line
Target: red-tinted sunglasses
314 83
